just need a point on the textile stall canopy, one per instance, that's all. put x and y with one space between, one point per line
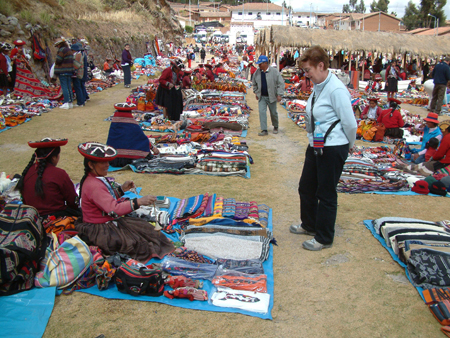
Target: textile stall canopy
355 40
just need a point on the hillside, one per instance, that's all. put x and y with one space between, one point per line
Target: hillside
106 24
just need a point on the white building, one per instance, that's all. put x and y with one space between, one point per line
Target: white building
304 18
260 14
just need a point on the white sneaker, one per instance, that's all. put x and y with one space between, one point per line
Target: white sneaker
65 106
70 105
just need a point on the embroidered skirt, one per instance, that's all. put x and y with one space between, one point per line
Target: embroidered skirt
132 236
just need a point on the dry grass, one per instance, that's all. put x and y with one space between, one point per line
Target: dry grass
117 16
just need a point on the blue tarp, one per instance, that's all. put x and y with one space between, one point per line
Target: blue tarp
369 225
26 314
113 293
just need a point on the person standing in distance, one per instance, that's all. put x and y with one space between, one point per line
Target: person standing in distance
329 108
441 76
268 86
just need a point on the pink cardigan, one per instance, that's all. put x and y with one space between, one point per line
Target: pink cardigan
97 202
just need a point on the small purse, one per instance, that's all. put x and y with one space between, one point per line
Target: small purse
145 281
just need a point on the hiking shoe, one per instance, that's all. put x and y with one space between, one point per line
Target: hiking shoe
298 230
65 106
70 105
313 245
263 133
275 130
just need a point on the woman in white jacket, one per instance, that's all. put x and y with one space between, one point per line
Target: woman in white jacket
330 105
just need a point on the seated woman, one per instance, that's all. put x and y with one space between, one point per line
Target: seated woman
439 160
392 119
372 111
102 224
430 130
46 187
127 137
107 68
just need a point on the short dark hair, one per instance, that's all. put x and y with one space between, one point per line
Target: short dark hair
315 55
433 143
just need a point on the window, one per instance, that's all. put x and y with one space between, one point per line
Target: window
250 13
239 13
278 13
299 17
307 17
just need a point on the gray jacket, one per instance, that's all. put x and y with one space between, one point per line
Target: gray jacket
275 84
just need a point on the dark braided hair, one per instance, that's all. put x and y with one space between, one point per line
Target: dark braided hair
20 184
87 170
46 154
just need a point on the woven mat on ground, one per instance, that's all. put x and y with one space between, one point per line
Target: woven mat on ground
369 225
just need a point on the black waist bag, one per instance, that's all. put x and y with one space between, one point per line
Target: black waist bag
147 282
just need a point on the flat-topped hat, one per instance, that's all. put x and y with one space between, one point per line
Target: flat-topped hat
97 152
125 107
378 77
391 99
373 98
177 63
19 42
48 142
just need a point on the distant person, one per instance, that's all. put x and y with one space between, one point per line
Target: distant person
392 119
169 93
268 86
203 54
440 75
126 66
64 70
392 76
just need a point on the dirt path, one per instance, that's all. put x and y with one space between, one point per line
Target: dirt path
353 289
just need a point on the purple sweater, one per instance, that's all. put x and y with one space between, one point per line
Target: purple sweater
126 58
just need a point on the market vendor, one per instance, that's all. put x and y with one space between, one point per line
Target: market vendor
16 52
45 186
169 94
102 224
219 69
372 111
186 82
294 78
430 130
439 160
209 73
127 137
107 68
392 119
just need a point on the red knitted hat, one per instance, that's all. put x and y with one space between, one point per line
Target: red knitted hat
421 187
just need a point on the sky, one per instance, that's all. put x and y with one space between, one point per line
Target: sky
326 6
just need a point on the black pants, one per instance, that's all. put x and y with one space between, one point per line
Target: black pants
317 190
126 75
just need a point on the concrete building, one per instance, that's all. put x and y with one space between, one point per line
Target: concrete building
260 14
304 18
376 21
222 17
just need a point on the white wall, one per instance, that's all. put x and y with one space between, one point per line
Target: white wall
267 19
248 30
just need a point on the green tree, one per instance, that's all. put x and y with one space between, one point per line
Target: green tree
353 7
189 29
379 6
411 19
433 7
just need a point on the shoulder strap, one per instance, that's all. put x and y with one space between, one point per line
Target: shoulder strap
330 129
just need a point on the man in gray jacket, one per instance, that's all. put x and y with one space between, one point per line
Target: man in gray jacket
268 86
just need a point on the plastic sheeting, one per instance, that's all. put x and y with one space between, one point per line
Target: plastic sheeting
26 314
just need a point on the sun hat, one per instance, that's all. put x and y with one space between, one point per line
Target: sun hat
19 42
48 142
59 41
444 125
391 99
97 152
421 187
438 188
261 59
432 117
